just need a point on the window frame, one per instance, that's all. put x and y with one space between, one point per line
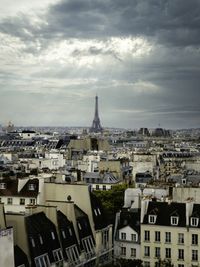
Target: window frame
194 221
168 237
195 239
9 201
146 235
123 236
57 253
44 258
146 251
157 236
181 253
181 238
152 219
168 253
133 252
174 220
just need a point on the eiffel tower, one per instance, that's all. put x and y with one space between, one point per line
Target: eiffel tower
96 124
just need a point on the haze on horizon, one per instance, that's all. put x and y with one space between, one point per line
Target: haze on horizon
142 58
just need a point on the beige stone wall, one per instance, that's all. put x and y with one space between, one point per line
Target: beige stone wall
18 224
79 195
113 166
2 217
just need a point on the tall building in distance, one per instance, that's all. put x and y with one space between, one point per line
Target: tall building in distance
96 124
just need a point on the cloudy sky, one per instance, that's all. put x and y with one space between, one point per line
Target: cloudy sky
142 58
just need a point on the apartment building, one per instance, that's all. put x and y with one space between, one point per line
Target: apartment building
170 232
16 194
127 234
65 231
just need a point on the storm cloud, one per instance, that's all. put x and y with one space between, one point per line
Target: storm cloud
142 57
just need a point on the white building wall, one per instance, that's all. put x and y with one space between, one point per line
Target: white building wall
128 243
174 245
15 206
181 194
6 248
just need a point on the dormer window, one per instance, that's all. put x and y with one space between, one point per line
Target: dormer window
194 221
152 219
31 187
2 185
95 212
174 220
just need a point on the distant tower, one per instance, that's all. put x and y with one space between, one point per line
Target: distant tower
96 124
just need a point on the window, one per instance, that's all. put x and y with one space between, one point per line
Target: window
147 251
2 185
157 252
104 187
194 239
194 221
97 187
105 238
133 252
79 226
42 261
70 231
41 240
168 253
152 219
31 187
146 235
57 254
181 254
73 255
180 238
98 209
134 237
123 251
88 246
123 236
32 201
167 237
22 265
194 255
63 234
180 265
32 242
174 220
146 264
53 235
9 201
157 236
22 201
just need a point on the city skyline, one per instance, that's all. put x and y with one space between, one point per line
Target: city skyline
140 57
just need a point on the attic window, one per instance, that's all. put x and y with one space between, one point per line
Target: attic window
53 235
95 212
99 211
63 234
194 221
32 242
70 231
41 240
31 187
79 226
2 185
174 220
152 219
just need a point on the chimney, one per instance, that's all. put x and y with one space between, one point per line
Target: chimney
144 207
189 209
